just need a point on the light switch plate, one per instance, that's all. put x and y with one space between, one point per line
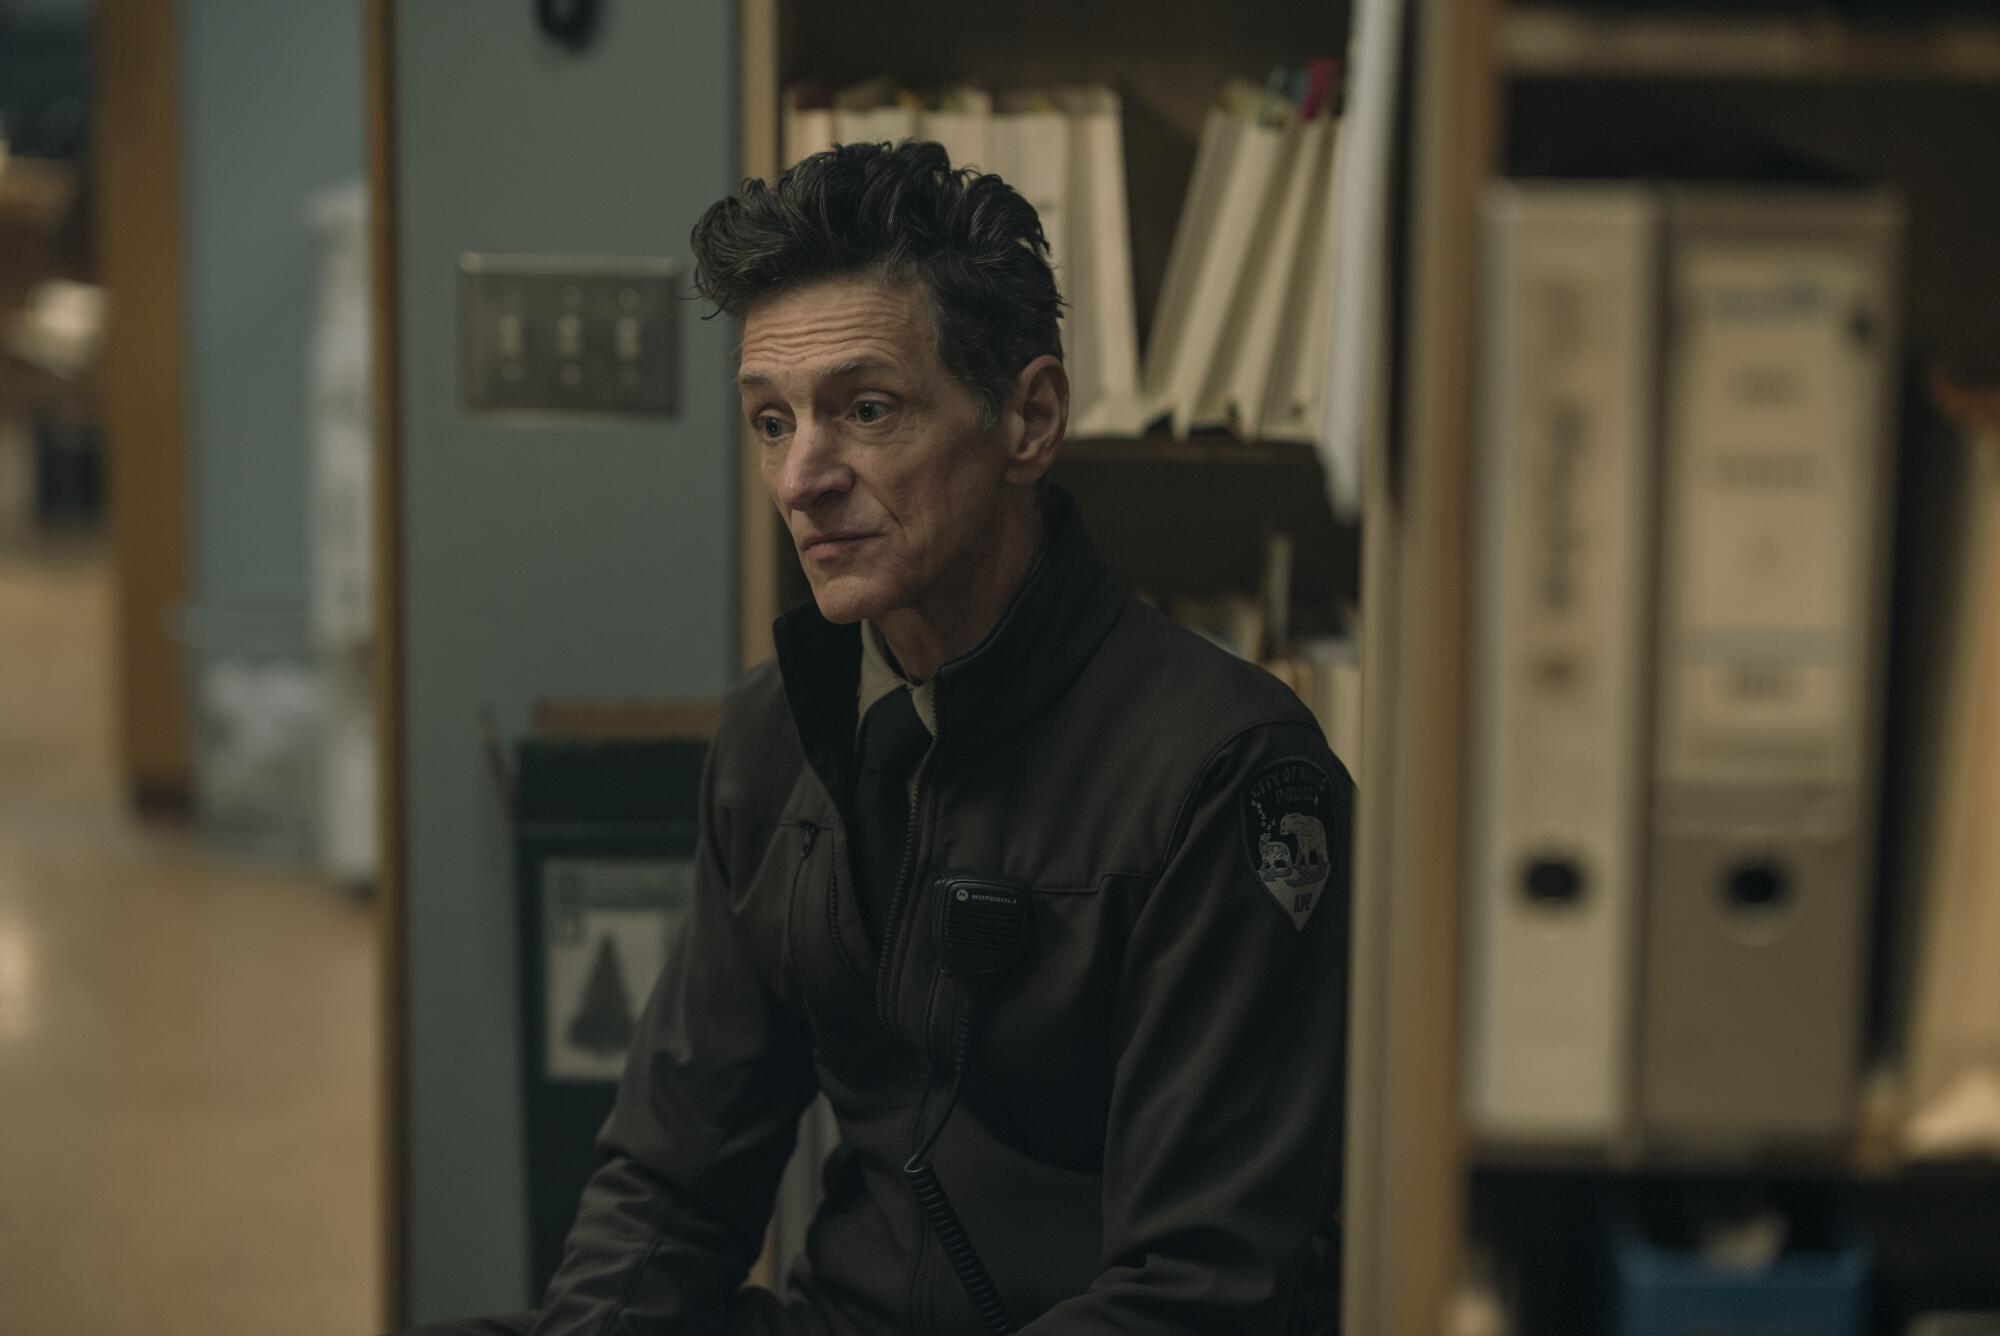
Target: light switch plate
542 334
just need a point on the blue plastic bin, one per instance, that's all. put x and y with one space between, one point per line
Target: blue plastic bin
1669 1291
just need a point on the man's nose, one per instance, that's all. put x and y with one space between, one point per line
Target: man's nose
814 468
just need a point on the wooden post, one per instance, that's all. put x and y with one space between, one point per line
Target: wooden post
1415 849
137 82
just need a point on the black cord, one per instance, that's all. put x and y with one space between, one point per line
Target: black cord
936 1206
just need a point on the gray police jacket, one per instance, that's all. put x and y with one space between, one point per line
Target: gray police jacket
1149 1135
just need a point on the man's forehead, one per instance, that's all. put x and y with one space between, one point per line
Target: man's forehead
832 327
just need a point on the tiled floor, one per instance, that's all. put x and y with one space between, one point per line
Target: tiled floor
187 1044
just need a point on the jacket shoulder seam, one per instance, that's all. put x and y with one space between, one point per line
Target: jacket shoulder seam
1184 817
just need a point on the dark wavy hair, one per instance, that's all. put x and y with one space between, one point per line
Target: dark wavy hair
970 241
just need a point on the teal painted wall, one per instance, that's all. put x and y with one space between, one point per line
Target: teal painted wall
539 560
271 111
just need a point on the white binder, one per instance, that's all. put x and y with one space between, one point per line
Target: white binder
1557 786
1101 344
1778 404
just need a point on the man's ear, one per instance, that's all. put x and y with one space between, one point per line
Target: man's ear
1037 418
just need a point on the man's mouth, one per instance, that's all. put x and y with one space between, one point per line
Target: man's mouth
827 546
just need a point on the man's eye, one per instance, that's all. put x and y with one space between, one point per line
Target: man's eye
770 428
869 411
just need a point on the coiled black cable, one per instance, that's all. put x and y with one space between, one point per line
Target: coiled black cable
936 1206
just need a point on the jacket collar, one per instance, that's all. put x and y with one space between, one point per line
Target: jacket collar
1057 619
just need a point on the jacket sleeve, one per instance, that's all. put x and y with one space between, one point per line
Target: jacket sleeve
706 1116
1222 1150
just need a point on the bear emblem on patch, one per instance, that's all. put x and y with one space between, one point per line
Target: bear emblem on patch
1287 808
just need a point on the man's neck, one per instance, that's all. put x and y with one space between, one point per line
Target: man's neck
956 616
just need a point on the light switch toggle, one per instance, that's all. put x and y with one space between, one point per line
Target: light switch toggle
569 334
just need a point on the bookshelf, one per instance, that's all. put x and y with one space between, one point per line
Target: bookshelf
1166 66
1546 91
1547 40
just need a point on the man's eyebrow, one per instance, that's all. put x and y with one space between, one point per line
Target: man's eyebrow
752 380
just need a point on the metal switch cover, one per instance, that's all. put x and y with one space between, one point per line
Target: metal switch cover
563 334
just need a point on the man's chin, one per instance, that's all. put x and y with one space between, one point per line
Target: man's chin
844 600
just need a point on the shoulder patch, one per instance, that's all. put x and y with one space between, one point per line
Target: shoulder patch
1287 810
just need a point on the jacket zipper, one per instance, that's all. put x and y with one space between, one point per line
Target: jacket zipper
891 931
892 925
833 903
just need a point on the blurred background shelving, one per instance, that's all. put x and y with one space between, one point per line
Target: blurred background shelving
1739 43
1834 95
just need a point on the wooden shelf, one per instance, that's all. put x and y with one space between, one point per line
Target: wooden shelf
1206 448
1930 1230
1859 1166
1191 517
1858 1163
1547 41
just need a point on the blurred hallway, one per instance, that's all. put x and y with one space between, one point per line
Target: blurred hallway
187 1045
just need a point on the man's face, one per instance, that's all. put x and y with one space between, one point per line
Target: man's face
875 454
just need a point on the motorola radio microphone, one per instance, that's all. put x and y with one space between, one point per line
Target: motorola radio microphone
983 930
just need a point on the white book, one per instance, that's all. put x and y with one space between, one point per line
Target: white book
963 123
1031 152
1557 777
1778 399
1101 345
1218 132
807 122
890 124
1353 415
1294 408
874 112
1235 166
1240 379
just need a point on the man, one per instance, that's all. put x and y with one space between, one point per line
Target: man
969 718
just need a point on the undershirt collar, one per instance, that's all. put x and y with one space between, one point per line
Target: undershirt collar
880 675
